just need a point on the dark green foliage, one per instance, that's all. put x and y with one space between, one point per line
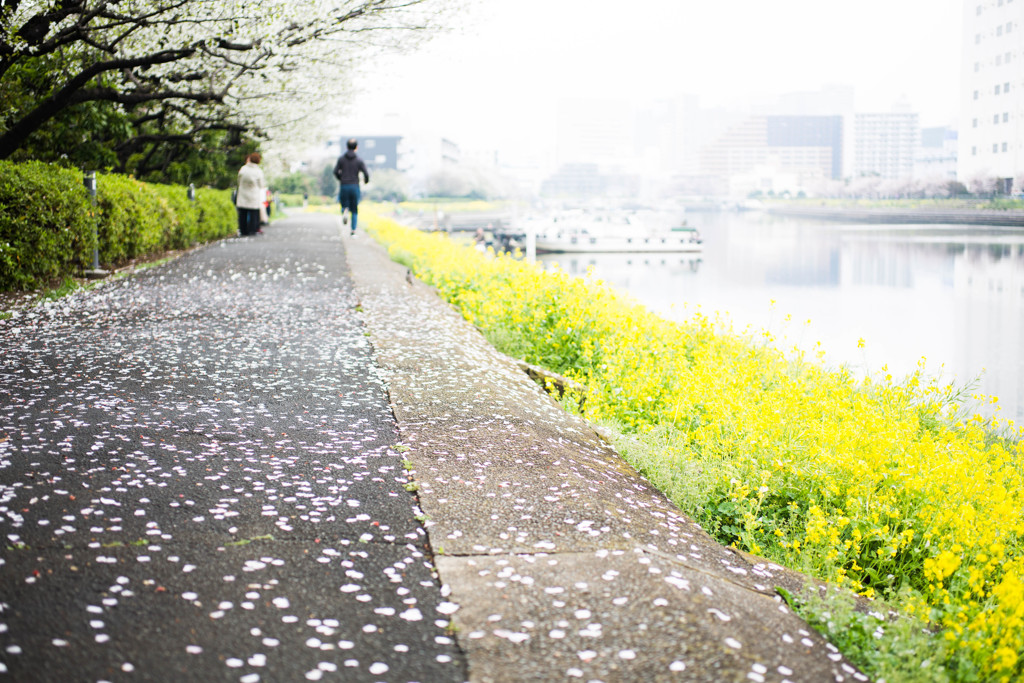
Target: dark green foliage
208 159
328 183
142 140
85 134
47 221
46 224
296 182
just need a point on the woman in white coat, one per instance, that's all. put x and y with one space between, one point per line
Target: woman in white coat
251 190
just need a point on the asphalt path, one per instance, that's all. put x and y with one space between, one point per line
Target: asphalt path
199 481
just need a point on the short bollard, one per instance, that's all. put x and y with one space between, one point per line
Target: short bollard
95 272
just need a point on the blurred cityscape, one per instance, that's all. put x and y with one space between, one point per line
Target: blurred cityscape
815 143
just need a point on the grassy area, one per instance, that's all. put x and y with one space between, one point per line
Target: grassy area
294 200
878 485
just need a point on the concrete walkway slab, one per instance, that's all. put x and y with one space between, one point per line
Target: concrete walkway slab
625 616
564 562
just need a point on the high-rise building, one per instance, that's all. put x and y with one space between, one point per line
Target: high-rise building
803 147
378 151
992 94
884 144
829 100
936 157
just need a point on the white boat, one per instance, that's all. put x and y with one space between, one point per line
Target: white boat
575 233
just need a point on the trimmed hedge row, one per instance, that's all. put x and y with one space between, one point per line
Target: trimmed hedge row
45 224
47 221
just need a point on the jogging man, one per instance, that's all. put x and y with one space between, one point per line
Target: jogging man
347 172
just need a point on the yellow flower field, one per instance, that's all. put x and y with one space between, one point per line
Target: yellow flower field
877 485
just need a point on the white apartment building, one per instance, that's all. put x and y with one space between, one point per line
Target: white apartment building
776 153
936 157
992 94
885 144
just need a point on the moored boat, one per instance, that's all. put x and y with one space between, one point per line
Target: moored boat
587 243
574 234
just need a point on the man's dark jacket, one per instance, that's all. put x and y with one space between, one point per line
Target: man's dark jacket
349 167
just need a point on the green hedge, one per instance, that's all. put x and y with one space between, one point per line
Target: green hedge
47 221
184 217
132 220
45 224
217 214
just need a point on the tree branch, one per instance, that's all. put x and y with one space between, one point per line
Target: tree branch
139 97
50 106
226 55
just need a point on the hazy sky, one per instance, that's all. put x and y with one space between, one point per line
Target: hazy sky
495 79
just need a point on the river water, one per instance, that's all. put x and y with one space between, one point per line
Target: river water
953 295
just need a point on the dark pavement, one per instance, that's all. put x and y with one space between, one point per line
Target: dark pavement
197 481
282 459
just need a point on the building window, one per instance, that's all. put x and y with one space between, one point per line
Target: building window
1006 87
974 151
1009 26
999 60
974 123
997 89
995 119
977 38
995 147
1004 146
1007 58
977 66
975 94
999 30
1006 116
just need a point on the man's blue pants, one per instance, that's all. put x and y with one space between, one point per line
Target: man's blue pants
348 195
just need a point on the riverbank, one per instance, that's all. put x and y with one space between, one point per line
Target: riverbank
806 466
937 215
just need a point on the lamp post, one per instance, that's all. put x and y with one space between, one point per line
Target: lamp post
95 272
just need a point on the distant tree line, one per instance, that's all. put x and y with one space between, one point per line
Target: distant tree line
389 185
876 187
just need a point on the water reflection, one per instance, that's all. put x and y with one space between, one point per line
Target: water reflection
628 271
951 294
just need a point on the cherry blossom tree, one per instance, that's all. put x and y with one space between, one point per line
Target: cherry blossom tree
171 71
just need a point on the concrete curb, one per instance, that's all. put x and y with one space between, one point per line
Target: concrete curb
562 561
